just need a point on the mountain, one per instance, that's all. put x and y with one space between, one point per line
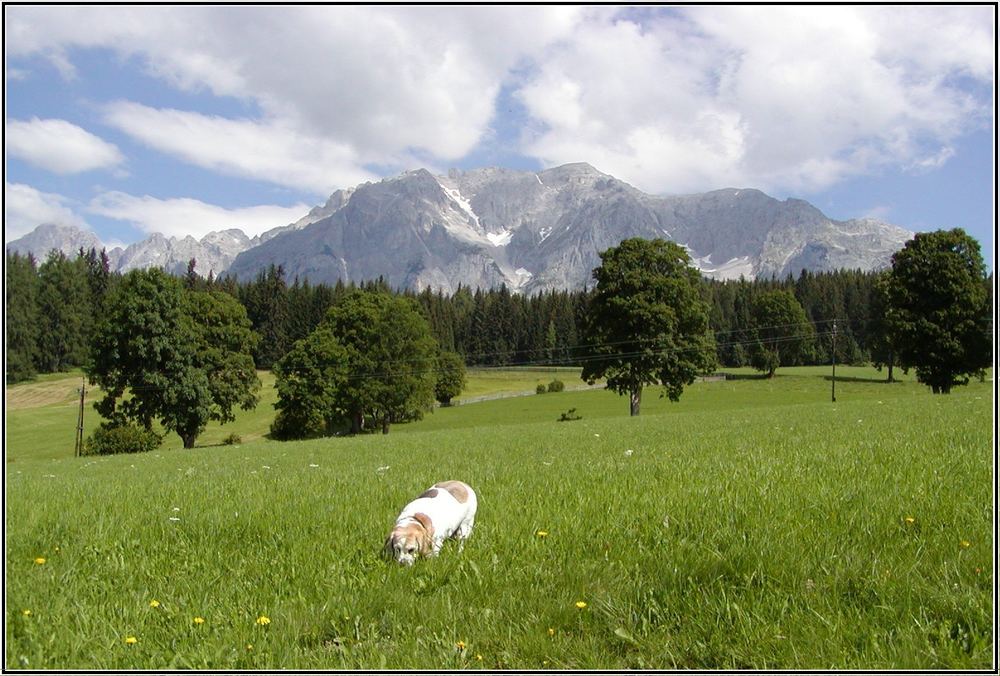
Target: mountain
534 231
46 237
528 230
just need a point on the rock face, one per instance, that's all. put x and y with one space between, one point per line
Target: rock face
214 253
534 231
531 231
46 237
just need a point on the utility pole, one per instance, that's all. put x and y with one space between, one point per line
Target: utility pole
833 380
79 421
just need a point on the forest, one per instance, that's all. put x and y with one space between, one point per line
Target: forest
51 306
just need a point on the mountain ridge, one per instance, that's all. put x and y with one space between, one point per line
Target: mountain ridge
528 230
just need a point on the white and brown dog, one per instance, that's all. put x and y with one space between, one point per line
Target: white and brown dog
445 510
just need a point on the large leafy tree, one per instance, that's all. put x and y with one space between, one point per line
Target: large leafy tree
782 333
450 380
938 308
371 363
307 379
391 359
182 358
647 322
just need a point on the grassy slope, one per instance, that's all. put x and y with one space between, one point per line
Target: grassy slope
754 525
41 417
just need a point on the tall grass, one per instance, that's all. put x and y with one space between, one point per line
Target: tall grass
792 533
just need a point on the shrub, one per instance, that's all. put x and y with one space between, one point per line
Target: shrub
121 438
556 386
569 415
540 389
233 439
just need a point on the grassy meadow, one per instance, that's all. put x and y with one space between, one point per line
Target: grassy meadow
754 524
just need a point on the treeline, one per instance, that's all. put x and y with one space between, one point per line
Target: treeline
51 307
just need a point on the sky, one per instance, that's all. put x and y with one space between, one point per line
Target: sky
188 119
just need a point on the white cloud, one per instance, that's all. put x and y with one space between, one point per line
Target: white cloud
24 208
59 146
183 216
671 99
270 151
377 85
793 98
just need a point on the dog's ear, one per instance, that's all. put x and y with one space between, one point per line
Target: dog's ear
427 539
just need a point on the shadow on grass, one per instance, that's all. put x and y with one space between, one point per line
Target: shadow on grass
856 379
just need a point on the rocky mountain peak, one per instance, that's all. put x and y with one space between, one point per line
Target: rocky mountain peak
527 230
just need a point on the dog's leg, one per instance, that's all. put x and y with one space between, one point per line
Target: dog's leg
463 532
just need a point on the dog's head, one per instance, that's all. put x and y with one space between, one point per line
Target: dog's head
410 540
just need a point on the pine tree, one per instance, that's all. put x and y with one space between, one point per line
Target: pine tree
65 313
22 317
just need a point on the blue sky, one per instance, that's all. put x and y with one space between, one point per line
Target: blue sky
184 120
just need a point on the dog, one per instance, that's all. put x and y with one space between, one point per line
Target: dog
445 510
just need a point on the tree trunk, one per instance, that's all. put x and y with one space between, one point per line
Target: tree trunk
385 425
188 440
634 399
357 422
890 380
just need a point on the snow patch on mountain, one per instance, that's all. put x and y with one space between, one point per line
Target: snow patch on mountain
501 238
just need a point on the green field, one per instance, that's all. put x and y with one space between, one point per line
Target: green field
754 524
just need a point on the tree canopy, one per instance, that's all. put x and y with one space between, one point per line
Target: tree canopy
938 308
182 358
371 362
782 331
647 322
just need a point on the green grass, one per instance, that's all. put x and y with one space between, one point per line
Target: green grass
753 525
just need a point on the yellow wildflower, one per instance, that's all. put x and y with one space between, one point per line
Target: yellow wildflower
552 632
909 519
39 561
154 604
26 612
131 640
199 620
964 544
542 533
249 647
460 645
479 657
263 620
581 604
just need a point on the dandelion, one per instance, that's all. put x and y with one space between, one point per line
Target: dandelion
542 533
479 657
249 647
26 612
909 520
40 561
263 620
154 604
131 640
552 632
460 646
581 604
199 620
964 544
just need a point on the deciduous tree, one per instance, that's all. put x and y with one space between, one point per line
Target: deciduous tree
647 323
938 314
